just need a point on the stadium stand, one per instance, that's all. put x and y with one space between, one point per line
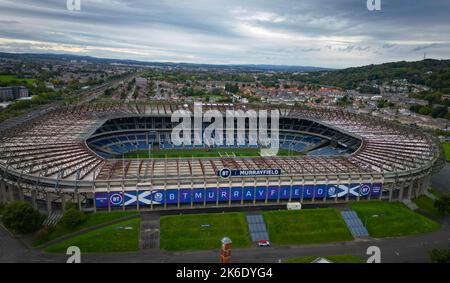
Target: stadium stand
71 154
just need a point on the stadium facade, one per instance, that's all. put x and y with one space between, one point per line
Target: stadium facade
76 154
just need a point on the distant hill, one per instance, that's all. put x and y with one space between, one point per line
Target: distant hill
243 67
428 72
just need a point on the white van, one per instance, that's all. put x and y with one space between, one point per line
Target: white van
294 206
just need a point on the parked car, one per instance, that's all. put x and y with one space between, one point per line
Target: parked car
263 243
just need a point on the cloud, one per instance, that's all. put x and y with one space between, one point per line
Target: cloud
312 32
424 47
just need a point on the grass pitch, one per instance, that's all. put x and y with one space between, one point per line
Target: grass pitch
446 146
112 238
203 231
203 152
391 219
306 226
10 78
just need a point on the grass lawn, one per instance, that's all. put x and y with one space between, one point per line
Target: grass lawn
390 219
446 146
333 258
9 78
108 239
435 192
92 220
185 232
202 152
306 226
427 204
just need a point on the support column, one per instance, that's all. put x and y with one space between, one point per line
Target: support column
400 194
34 199
95 202
411 187
391 191
49 203
63 202
2 192
21 195
11 193
79 200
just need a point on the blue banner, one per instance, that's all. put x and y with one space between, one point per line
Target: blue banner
296 192
236 194
224 194
285 192
272 193
198 195
115 199
130 198
172 196
308 191
320 191
185 195
261 193
376 190
226 172
211 194
101 199
249 193
157 197
144 198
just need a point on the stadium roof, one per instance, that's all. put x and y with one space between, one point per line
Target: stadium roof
52 146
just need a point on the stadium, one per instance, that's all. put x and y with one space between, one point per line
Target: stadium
120 156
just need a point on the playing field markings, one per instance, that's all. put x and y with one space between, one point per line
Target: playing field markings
257 227
354 224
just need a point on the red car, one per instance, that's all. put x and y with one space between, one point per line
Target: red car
263 243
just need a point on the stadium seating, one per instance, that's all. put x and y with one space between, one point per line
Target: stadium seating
123 135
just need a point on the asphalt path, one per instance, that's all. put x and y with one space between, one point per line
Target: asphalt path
402 249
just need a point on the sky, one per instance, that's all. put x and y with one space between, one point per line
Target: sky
321 33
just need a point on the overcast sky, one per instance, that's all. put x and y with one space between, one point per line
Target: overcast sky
324 33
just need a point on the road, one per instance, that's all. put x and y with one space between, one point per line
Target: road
401 249
440 180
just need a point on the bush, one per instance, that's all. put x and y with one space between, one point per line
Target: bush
73 218
440 256
20 217
43 233
443 204
71 205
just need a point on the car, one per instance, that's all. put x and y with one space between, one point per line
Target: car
263 243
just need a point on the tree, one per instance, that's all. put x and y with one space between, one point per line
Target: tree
233 88
20 217
439 112
344 101
440 256
72 218
443 204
